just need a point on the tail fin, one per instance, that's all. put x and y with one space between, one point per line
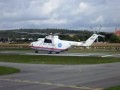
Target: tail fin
90 41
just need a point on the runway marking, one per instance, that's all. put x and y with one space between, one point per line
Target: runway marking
112 55
52 84
106 55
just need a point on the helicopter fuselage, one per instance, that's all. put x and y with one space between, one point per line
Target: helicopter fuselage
54 44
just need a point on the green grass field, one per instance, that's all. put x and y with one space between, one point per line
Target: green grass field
70 60
62 60
8 70
113 88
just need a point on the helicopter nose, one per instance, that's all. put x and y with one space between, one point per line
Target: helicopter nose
31 44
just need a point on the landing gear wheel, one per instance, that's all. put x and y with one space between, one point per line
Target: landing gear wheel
50 52
57 52
36 51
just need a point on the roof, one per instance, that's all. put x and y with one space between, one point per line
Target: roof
117 32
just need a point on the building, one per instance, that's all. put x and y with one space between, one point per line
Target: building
117 32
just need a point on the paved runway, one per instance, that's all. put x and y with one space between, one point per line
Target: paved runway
61 54
61 77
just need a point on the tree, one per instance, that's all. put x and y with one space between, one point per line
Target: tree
114 39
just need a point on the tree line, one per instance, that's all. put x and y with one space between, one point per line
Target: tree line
25 35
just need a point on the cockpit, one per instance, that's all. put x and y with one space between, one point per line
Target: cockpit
47 41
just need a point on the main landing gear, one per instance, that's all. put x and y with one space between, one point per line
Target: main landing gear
50 52
36 51
57 52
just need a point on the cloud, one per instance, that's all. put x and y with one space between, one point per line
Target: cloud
98 20
51 6
83 7
71 14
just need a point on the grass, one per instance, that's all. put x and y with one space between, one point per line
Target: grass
8 70
70 60
94 51
113 88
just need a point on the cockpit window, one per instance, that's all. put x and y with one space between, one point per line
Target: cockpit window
47 41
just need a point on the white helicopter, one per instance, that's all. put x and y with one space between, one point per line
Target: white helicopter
52 43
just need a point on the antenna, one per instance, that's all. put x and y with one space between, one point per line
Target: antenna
99 32
100 28
94 31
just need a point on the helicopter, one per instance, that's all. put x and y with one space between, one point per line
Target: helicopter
52 43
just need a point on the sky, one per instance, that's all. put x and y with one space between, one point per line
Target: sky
103 15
